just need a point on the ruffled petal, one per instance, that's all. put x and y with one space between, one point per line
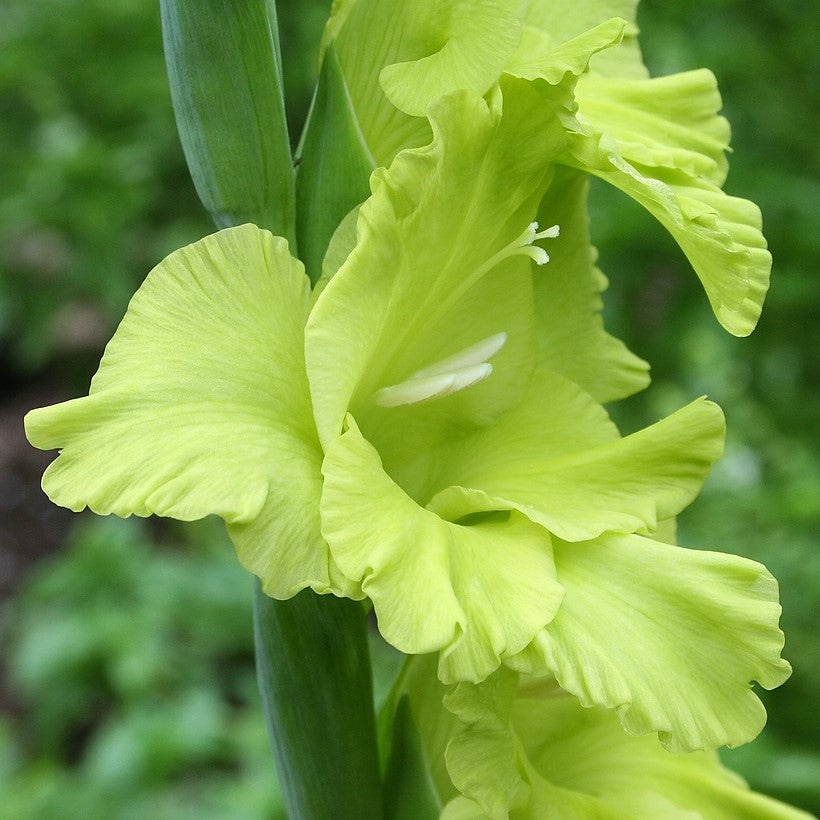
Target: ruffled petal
478 591
201 405
400 56
559 21
673 165
667 636
558 459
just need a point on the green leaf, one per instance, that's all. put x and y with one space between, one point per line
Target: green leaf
334 166
226 86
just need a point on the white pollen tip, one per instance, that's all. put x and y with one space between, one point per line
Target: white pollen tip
549 233
539 255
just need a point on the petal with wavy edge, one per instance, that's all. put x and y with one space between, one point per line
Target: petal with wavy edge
540 56
400 56
667 636
558 459
201 405
479 592
671 168
558 21
437 219
569 329
473 40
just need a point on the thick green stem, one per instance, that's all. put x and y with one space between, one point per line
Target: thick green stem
313 666
314 673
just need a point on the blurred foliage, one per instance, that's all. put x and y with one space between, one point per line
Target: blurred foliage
128 683
134 669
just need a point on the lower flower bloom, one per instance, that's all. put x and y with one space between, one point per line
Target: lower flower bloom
531 752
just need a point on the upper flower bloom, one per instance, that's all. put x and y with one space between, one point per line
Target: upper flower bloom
660 140
410 433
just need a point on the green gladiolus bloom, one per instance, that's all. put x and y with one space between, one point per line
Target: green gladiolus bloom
420 431
530 752
659 140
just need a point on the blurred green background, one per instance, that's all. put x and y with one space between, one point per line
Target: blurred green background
127 685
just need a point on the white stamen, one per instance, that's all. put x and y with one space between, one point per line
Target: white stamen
416 390
475 354
457 372
523 246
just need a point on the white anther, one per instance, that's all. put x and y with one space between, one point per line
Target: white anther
475 354
416 390
457 372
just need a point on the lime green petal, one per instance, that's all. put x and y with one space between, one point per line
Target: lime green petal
430 232
409 438
557 458
672 165
400 56
562 20
472 40
570 333
669 637
479 592
538 55
664 122
201 394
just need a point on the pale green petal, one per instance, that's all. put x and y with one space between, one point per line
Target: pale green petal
430 233
570 334
556 457
664 122
561 20
478 592
201 405
413 53
667 636
672 165
538 55
473 40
